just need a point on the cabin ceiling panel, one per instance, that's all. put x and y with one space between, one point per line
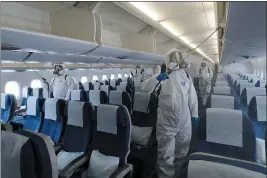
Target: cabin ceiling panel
111 13
44 42
187 22
172 9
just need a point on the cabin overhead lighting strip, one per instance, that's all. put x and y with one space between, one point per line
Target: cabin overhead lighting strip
145 9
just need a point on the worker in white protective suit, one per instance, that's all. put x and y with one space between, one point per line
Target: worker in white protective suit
204 77
61 85
178 104
140 74
184 65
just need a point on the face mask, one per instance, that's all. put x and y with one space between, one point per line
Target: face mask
172 65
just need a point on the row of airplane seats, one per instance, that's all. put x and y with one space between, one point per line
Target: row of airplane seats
49 116
244 138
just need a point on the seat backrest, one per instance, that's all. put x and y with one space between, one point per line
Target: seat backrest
111 143
79 133
81 121
221 90
97 85
122 86
79 95
257 108
245 77
54 119
113 83
26 92
222 101
210 166
17 156
34 114
137 86
121 98
88 86
248 93
30 154
97 97
217 84
8 106
144 118
37 92
260 83
44 152
242 86
238 81
105 88
230 129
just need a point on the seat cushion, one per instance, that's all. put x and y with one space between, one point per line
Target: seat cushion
210 166
141 135
102 166
220 149
64 158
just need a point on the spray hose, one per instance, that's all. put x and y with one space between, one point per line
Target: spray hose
170 71
44 80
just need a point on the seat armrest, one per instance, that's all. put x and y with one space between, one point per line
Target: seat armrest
20 111
57 148
123 171
70 169
16 126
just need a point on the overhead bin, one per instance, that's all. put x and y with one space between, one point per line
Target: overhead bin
13 56
74 23
65 49
115 52
44 42
138 42
60 58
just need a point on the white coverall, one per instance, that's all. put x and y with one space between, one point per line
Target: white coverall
138 75
205 77
177 104
60 87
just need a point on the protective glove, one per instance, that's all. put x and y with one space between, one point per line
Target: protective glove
195 121
162 76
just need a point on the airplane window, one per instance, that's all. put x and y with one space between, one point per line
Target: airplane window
95 77
125 75
36 83
84 79
12 87
119 76
258 72
262 75
112 77
104 77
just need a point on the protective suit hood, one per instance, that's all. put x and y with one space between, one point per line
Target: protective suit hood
59 69
172 58
204 63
